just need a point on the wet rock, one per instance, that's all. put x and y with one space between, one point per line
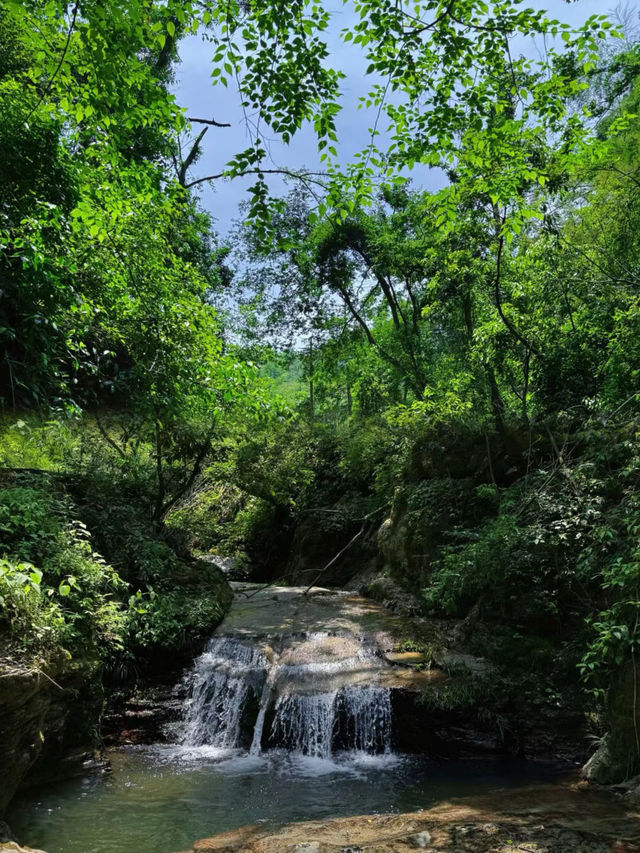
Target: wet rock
420 839
633 794
329 628
602 767
151 714
390 594
536 820
451 660
227 565
229 842
623 714
406 658
629 790
13 847
24 702
5 832
442 733
47 723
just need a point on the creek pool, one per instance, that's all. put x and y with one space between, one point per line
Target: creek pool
162 799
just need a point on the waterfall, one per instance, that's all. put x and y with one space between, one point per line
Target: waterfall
367 717
256 742
222 681
304 723
310 723
311 702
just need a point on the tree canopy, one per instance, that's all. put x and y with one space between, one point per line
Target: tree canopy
465 358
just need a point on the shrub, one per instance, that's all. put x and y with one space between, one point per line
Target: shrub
56 592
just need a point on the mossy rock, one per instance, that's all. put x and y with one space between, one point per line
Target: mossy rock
618 756
624 718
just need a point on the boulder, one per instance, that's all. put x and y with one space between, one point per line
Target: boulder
618 756
47 723
601 767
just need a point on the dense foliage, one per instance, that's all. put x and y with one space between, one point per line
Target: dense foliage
448 379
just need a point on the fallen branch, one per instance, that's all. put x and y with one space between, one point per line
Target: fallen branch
340 553
55 683
260 588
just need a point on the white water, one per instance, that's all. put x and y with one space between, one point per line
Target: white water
256 742
304 723
368 718
231 679
222 680
308 723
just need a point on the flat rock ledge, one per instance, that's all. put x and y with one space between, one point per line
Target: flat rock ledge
547 819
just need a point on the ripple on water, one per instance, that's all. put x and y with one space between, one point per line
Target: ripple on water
159 799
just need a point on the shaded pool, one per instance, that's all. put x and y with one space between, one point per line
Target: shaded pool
161 799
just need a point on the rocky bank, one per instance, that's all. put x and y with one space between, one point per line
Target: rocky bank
48 722
538 820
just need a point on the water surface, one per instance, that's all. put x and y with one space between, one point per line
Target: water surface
161 799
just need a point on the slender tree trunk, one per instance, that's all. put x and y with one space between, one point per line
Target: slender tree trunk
160 483
525 388
497 406
468 318
311 389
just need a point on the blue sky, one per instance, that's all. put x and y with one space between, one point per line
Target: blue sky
195 92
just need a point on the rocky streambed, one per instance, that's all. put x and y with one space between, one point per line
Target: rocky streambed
551 819
312 671
314 706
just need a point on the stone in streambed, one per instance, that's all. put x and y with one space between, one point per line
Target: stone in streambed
13 847
420 839
546 819
406 658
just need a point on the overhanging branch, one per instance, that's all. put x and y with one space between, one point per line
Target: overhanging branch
210 121
289 173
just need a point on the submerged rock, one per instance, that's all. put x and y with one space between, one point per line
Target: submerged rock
420 839
536 820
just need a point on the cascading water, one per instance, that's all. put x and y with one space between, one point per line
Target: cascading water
222 681
310 723
367 718
304 723
307 695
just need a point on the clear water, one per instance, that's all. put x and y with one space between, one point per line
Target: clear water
161 799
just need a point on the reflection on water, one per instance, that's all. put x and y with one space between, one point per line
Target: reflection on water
161 799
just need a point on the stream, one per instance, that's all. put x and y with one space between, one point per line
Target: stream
290 717
161 800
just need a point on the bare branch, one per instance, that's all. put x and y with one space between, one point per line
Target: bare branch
107 437
208 121
190 158
286 172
